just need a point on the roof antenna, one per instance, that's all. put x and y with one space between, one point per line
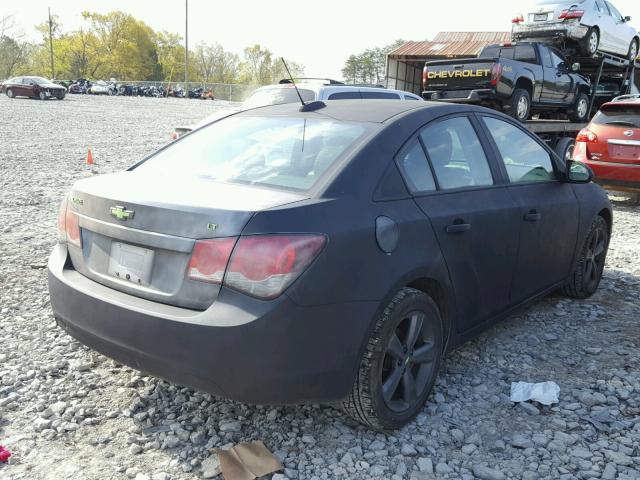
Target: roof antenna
306 107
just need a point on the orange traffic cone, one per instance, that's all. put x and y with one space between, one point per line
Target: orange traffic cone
89 157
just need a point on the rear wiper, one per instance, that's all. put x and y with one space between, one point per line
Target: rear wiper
622 122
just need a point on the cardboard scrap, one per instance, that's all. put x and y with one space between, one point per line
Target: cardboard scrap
247 461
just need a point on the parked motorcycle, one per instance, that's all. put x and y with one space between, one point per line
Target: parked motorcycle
196 93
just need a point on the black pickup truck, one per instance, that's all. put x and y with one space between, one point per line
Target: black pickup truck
518 78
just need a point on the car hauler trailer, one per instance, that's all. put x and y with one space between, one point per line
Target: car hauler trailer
610 76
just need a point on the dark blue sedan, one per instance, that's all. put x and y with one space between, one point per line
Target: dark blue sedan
285 254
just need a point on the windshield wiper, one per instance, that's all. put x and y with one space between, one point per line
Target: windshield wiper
623 123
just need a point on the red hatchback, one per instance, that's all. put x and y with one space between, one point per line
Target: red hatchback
610 144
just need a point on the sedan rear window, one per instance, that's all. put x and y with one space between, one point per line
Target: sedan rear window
621 115
291 153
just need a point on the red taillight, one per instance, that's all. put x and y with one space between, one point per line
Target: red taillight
62 221
425 77
571 14
174 135
68 225
587 136
518 19
264 266
72 228
209 259
496 74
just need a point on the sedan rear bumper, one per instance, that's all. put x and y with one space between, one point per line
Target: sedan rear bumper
573 31
460 96
252 351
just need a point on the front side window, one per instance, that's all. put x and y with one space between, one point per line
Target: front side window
287 152
617 16
415 168
524 158
556 59
456 154
546 57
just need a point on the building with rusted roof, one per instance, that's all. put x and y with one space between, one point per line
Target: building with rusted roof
405 63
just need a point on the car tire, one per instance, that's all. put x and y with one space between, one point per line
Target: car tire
633 50
587 273
109 92
520 105
9 93
42 96
590 43
579 113
382 396
565 147
60 97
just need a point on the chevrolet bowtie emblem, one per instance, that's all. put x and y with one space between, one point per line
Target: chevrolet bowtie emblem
121 213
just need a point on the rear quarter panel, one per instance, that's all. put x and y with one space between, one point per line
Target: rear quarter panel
352 268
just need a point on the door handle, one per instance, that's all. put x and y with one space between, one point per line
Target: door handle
458 228
533 216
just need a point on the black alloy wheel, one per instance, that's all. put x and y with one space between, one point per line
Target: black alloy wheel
409 361
587 273
400 363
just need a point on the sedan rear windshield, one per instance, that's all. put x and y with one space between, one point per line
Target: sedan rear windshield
277 96
284 152
621 115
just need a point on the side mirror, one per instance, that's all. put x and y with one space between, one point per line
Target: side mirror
578 172
627 18
575 67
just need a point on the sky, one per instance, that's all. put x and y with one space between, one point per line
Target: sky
319 35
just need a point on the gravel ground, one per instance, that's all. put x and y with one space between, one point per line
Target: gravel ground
69 413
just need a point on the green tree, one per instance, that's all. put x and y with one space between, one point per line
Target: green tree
368 66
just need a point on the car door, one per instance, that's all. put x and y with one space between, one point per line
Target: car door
620 40
29 87
18 87
605 24
547 208
474 217
549 73
562 80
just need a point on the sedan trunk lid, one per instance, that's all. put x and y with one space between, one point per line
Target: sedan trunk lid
138 230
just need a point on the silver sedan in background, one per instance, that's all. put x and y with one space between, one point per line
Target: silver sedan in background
595 25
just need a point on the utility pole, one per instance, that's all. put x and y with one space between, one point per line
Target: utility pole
186 48
53 71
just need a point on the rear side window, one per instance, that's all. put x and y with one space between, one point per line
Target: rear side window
380 95
411 97
507 53
415 168
456 154
351 95
526 53
620 115
490 52
524 158
287 152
